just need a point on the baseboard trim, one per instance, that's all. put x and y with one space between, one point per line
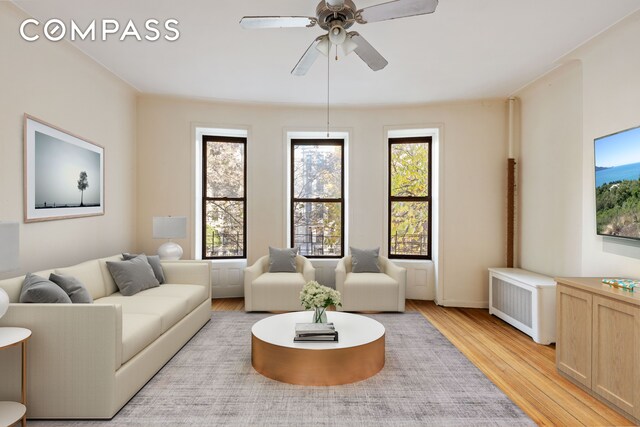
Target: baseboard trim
227 292
463 304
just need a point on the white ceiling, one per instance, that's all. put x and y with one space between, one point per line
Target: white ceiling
467 49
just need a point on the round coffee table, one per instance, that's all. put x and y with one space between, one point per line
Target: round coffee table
358 355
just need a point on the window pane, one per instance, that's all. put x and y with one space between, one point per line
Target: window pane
225 169
409 228
409 170
317 171
317 228
225 229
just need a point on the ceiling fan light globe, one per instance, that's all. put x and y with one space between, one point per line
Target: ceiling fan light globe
349 46
324 46
337 35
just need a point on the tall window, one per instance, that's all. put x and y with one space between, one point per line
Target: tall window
224 198
410 197
317 204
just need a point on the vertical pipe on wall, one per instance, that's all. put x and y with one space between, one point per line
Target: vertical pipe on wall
511 188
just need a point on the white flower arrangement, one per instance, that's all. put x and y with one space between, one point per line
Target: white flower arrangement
315 295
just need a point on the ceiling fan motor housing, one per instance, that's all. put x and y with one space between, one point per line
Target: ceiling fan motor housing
327 18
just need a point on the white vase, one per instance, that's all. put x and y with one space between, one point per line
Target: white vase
4 302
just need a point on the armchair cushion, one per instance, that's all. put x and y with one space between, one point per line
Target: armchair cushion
280 279
370 280
364 260
282 260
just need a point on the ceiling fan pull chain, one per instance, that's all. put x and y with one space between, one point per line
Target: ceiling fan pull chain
328 86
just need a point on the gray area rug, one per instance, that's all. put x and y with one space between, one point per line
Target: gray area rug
426 381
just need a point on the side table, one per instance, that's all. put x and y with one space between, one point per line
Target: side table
12 412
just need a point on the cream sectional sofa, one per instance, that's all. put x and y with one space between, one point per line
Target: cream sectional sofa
88 360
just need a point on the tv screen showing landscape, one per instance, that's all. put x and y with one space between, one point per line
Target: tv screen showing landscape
617 161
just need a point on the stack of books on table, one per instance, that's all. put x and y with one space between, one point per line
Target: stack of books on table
315 332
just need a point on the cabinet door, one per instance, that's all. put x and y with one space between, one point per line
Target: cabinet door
573 340
616 342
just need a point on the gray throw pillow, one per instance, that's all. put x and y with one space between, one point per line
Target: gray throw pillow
364 260
36 289
73 287
154 262
132 276
282 260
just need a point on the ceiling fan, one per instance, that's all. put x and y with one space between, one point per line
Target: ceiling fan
336 17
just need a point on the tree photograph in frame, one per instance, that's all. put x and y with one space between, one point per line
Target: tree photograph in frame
63 174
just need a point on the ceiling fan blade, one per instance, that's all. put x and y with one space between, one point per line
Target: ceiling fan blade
396 9
307 60
254 22
367 53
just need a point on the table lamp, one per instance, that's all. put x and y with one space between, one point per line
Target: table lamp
9 256
169 227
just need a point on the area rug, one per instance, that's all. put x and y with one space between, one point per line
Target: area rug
426 381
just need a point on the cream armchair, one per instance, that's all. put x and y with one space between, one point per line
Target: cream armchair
264 291
382 291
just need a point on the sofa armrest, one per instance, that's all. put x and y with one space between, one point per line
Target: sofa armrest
341 275
308 271
188 272
250 274
72 356
399 274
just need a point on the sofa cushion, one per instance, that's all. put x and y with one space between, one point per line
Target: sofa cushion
73 287
154 262
13 287
109 284
277 279
364 260
36 289
369 280
282 260
170 309
138 331
88 273
195 294
133 276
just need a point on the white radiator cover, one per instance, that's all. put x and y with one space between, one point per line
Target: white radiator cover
525 300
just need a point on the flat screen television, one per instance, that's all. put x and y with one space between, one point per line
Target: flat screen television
617 170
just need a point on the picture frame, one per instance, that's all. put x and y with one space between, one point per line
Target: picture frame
63 174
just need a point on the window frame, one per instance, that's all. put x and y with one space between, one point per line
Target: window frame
428 198
223 139
339 142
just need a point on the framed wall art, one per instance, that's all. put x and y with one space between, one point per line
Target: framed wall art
63 174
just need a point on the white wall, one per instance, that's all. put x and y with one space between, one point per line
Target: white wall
611 103
60 85
550 173
474 151
595 93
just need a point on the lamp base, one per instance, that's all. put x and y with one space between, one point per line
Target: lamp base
170 251
4 302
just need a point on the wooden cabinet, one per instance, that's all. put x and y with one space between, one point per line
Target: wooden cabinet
616 353
573 340
598 341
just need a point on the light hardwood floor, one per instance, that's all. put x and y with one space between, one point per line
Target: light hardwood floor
523 370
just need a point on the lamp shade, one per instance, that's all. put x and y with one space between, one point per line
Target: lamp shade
169 227
9 246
